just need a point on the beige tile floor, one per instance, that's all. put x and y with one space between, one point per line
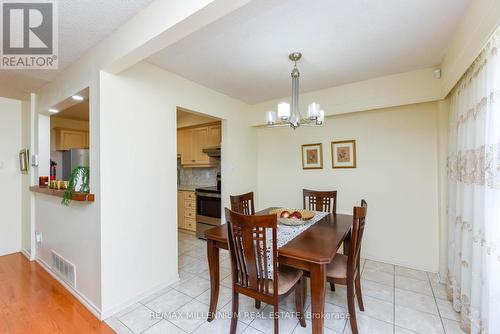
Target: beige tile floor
397 300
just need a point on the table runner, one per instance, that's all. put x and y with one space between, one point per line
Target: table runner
285 234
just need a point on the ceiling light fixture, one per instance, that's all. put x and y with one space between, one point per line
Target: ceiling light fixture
53 111
290 115
77 97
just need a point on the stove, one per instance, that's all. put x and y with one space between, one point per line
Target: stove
208 208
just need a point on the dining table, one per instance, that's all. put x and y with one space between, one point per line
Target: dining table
311 251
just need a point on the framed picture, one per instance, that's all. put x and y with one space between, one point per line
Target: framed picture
312 156
344 154
23 160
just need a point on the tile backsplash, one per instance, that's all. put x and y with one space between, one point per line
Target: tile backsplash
197 176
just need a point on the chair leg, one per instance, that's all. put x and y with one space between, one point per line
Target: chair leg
257 304
358 294
332 286
299 300
234 311
351 307
276 318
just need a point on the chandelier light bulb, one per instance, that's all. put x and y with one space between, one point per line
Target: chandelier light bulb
284 111
270 117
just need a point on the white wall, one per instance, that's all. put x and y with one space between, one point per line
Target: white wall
396 173
138 174
10 176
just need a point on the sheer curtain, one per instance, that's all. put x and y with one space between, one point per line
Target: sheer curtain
474 194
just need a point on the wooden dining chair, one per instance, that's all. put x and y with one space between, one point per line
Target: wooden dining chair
248 246
243 204
345 269
325 201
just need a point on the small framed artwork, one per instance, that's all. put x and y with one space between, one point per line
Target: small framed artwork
344 154
312 156
23 160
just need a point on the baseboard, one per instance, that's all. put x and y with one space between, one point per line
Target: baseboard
400 263
81 298
105 314
27 254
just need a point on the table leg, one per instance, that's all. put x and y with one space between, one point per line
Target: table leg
318 284
213 266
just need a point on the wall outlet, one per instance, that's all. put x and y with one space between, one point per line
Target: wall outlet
38 238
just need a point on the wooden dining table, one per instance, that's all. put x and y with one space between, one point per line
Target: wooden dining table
311 251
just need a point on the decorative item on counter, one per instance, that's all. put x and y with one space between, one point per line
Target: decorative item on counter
53 165
64 184
79 176
43 181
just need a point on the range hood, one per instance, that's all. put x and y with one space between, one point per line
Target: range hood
212 151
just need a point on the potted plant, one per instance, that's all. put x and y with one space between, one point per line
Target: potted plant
79 176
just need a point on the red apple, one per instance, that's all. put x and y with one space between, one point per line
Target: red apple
285 214
297 215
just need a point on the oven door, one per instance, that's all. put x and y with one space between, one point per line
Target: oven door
208 205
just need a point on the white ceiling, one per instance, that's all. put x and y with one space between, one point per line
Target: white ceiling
82 25
245 54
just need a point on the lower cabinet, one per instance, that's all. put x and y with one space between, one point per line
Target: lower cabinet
186 210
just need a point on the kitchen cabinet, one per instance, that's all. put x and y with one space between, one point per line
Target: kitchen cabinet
67 139
186 210
192 140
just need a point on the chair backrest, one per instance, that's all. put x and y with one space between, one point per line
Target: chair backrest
248 251
243 204
357 229
325 201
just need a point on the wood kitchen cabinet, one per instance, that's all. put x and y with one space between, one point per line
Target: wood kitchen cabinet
192 140
186 210
67 139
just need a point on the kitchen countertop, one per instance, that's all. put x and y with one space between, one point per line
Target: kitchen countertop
188 187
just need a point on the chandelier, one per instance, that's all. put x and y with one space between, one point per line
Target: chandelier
289 115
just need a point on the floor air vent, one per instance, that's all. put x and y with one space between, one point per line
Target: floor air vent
64 269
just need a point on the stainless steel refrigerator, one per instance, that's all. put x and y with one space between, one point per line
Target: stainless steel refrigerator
74 158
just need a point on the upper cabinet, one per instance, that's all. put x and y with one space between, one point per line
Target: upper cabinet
67 139
192 140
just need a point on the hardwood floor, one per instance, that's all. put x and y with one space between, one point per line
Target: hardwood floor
31 301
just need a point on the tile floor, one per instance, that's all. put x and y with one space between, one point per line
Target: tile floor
397 300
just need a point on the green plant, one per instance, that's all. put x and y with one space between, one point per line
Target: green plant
81 173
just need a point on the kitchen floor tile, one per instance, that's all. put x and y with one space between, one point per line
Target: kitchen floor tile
416 301
414 285
446 310
377 276
378 309
411 273
118 326
265 323
219 326
225 296
377 290
369 325
247 311
193 287
169 302
139 319
452 327
190 316
417 321
335 317
379 266
164 327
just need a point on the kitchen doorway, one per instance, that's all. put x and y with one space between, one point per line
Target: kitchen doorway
199 138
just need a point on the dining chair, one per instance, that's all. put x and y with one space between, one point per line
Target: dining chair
345 269
248 248
325 201
243 204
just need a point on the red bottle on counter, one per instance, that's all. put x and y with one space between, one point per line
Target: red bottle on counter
53 165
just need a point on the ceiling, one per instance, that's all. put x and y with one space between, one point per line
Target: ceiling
82 25
79 112
245 54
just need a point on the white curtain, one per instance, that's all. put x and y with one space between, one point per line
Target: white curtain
474 194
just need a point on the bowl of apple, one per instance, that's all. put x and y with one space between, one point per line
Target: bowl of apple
292 217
